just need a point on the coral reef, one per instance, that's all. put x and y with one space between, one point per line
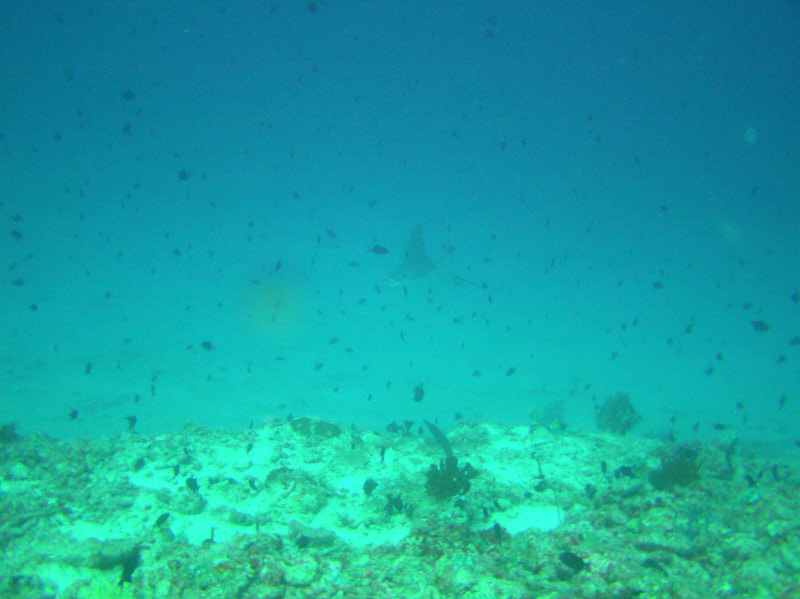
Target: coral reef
286 516
448 480
616 414
309 427
679 469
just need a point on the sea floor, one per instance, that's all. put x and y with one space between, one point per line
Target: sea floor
305 508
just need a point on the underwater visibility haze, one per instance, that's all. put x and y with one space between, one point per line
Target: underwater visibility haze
380 226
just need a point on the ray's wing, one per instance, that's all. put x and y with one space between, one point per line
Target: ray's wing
415 263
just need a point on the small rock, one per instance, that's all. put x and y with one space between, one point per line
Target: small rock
504 504
301 574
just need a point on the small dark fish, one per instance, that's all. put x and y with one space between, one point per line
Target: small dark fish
252 482
207 345
131 422
419 393
511 371
378 249
128 95
795 340
333 340
781 401
720 427
73 415
369 486
572 561
624 472
193 485
796 297
590 490
161 519
759 325
249 448
392 428
498 533
440 437
130 561
331 234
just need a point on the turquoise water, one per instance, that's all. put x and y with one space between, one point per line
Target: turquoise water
609 195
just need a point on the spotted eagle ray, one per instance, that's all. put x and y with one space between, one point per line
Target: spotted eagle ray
417 264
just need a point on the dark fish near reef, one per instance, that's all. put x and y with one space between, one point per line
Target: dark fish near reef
161 520
572 561
441 439
759 325
378 249
130 562
498 533
193 485
369 486
72 415
419 393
